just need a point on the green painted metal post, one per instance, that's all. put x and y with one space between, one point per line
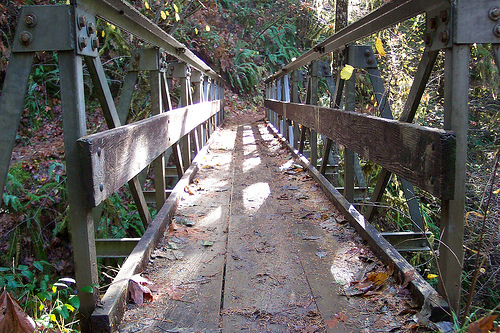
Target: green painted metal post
350 105
452 212
81 219
11 107
155 78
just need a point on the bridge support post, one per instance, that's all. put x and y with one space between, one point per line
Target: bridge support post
452 211
81 218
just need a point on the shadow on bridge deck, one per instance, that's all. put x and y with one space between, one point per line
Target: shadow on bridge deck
266 252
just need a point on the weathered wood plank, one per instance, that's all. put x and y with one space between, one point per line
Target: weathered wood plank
422 155
422 290
106 318
109 168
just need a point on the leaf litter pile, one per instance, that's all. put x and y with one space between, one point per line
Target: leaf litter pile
279 259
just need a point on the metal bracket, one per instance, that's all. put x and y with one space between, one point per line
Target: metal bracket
477 21
196 76
439 25
44 28
299 75
177 69
321 68
363 56
86 33
38 25
150 59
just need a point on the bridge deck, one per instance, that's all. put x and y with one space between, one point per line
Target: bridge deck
267 252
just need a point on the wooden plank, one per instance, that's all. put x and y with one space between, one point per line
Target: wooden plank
108 168
422 290
106 318
264 276
424 156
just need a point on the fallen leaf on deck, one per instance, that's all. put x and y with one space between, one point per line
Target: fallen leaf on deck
207 243
371 282
175 293
184 221
138 290
483 325
188 190
12 317
332 322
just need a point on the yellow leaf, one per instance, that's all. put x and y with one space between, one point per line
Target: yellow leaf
67 2
41 307
346 72
52 317
497 191
103 33
431 276
112 27
146 4
176 8
163 15
177 17
207 28
379 47
54 289
196 30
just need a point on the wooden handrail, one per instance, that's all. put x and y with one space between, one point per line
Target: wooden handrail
115 156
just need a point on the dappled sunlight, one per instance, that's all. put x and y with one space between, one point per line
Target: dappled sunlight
212 218
255 195
251 163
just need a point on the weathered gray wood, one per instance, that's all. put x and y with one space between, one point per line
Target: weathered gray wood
80 215
106 318
417 89
419 287
144 141
11 107
424 156
456 115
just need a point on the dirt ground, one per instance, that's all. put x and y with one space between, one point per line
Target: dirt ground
257 247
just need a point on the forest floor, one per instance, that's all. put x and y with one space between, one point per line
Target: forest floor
256 246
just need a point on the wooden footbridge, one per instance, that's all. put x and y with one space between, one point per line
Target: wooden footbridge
99 164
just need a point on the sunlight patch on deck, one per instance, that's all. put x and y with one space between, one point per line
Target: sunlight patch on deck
255 195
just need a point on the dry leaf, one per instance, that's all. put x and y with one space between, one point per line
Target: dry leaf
138 290
346 72
332 322
175 293
483 325
188 190
12 317
379 47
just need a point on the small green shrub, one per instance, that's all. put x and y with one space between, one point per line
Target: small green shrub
53 306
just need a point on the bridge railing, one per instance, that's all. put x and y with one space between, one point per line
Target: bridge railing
432 159
99 164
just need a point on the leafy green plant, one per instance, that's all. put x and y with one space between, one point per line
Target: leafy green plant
52 305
